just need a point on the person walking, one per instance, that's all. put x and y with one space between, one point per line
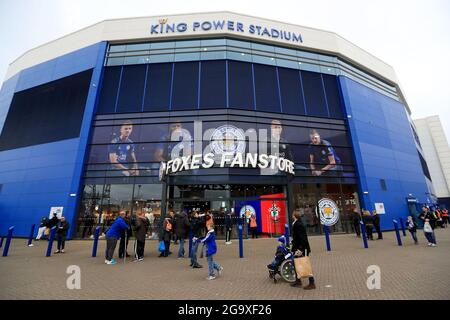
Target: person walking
412 228
429 219
112 236
300 243
253 226
166 235
125 238
356 220
368 224
228 227
376 224
61 234
42 227
141 227
197 226
181 225
211 246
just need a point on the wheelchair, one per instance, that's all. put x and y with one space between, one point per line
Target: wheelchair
286 270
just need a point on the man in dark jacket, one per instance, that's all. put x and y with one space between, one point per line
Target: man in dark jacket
376 224
125 237
197 226
356 220
113 234
141 228
181 225
228 226
166 235
61 234
300 243
53 221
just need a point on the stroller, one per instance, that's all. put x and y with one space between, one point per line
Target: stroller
282 265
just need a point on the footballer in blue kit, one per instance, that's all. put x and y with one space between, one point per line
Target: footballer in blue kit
323 159
121 151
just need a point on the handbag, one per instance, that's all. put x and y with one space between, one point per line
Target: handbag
427 227
303 267
162 246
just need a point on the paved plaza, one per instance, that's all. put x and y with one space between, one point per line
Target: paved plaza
407 272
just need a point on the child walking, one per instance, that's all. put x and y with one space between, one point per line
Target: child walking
210 241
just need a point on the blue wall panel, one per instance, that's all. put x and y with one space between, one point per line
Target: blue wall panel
38 177
384 149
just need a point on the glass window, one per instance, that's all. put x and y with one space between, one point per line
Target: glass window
108 94
185 86
240 85
314 94
116 198
266 88
291 93
117 48
138 47
213 85
131 88
333 100
162 45
157 91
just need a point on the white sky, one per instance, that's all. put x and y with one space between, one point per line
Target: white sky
412 36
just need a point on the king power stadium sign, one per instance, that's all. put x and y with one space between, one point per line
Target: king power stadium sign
166 27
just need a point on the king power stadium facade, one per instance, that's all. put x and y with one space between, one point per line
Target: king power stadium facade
210 111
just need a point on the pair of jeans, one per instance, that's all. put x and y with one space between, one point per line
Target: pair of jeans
414 236
194 250
181 249
110 247
212 265
430 237
61 241
139 249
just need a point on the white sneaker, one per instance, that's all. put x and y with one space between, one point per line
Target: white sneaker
211 278
106 261
229 242
429 244
141 259
220 271
433 245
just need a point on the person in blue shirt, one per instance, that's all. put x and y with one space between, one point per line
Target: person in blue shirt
210 241
280 254
121 151
323 159
113 234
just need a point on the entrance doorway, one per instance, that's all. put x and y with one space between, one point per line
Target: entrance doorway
261 209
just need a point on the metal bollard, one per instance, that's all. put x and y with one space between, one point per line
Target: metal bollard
286 233
8 241
50 242
403 226
1 242
327 237
363 231
96 235
30 238
397 232
190 243
241 242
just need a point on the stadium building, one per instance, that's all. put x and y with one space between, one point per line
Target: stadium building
212 111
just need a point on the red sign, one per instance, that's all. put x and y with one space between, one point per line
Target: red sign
273 213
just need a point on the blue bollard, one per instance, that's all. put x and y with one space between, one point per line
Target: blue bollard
397 232
50 242
190 243
403 226
363 231
241 242
96 235
30 238
1 242
8 241
286 233
327 237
